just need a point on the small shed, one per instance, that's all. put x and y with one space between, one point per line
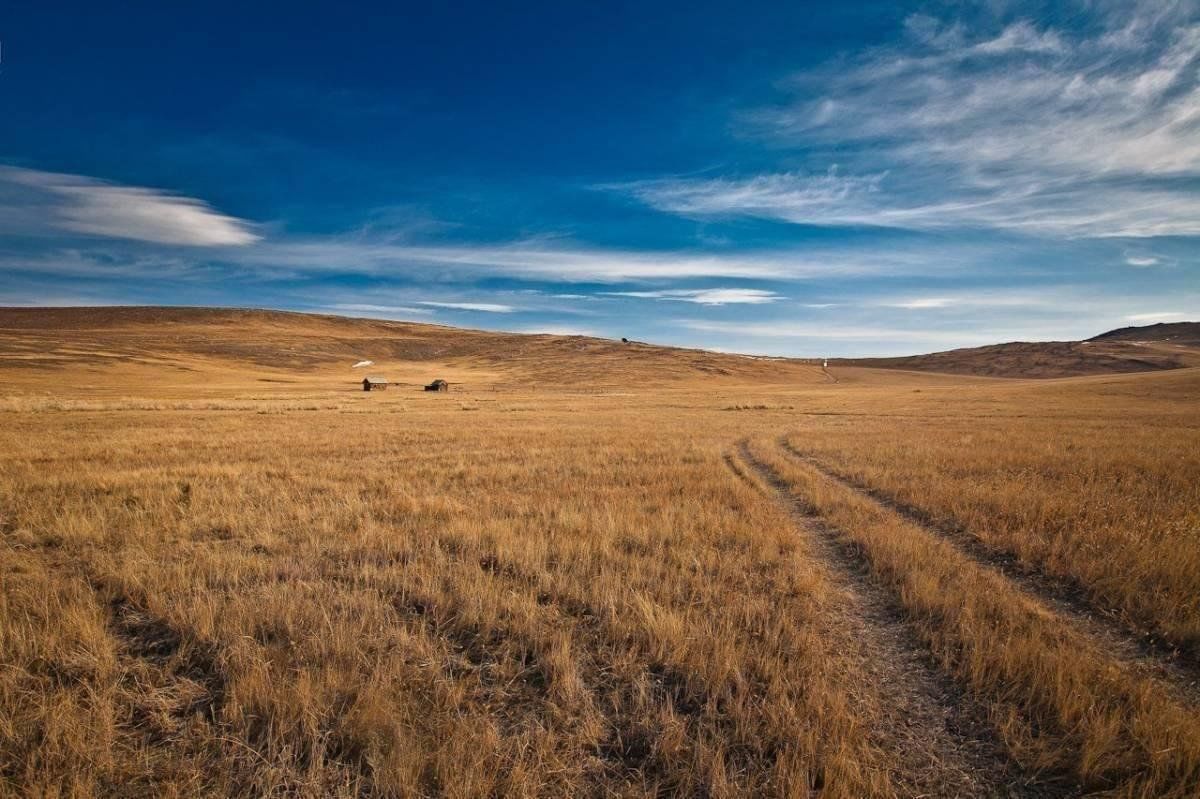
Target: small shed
438 385
374 384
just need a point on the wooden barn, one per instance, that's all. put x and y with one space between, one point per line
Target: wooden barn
374 384
438 385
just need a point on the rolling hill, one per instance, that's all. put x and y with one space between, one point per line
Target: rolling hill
196 347
1130 349
1175 333
275 346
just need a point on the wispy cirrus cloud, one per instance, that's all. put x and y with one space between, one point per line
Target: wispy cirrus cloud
787 196
1103 207
569 262
541 260
864 337
484 307
1149 260
556 330
825 331
534 259
371 309
1023 128
981 298
31 200
715 296
921 303
1157 316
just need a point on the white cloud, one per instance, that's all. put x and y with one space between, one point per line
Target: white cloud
705 296
1141 261
1025 129
486 307
805 330
1022 37
1051 298
923 302
1033 205
541 260
556 330
785 196
1132 102
863 337
524 259
368 308
91 207
1157 316
528 260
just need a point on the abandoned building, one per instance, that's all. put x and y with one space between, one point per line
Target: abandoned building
438 385
374 384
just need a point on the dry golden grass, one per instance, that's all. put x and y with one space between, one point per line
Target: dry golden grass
326 602
1058 697
216 585
1107 499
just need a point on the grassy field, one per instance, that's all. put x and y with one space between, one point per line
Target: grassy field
591 569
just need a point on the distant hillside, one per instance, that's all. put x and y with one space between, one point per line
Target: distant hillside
196 346
294 346
1130 349
1185 333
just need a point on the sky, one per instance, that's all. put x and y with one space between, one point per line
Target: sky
810 179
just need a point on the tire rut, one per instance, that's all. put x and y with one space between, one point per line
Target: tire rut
734 464
947 747
1142 650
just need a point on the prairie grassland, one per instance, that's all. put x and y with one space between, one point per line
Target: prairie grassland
430 602
1058 698
295 589
1108 500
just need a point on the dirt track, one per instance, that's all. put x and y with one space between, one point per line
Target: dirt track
950 749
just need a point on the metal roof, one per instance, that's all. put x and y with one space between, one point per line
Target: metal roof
375 379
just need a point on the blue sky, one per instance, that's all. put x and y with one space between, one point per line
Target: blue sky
782 178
